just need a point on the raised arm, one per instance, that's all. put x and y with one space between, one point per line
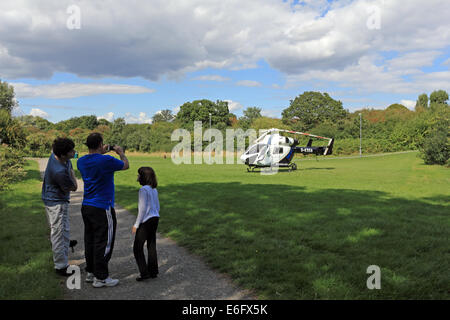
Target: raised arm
122 156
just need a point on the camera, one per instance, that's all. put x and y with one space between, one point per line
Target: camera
109 148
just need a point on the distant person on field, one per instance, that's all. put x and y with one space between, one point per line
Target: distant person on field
146 224
59 180
97 171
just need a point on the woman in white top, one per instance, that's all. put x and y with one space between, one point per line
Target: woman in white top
146 224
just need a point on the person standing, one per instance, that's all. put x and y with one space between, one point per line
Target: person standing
99 217
59 180
146 224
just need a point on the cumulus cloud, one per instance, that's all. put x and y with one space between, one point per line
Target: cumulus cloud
109 116
234 106
73 90
39 113
141 118
172 37
410 104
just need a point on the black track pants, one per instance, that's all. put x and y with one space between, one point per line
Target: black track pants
99 234
146 232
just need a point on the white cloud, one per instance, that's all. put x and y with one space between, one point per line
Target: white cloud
39 113
142 118
368 77
211 78
271 113
410 104
234 106
73 90
300 40
410 63
248 83
109 116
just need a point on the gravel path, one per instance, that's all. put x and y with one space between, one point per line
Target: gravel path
182 276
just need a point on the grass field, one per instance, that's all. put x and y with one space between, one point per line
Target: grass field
310 233
26 261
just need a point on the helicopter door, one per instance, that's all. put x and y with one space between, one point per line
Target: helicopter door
262 153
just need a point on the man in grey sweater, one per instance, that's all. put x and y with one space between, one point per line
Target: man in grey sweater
59 180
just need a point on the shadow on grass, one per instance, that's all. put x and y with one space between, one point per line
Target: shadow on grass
288 242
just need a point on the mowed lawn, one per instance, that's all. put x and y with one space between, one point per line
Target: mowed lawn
310 233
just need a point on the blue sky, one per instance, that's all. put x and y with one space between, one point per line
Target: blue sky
252 53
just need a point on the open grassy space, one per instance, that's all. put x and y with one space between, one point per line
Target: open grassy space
26 261
310 233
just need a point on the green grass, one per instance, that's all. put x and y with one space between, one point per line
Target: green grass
310 233
26 261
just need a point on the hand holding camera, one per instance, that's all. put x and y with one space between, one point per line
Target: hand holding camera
117 149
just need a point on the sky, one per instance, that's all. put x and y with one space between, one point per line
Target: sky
131 59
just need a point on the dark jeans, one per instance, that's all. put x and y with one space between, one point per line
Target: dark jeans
146 232
99 235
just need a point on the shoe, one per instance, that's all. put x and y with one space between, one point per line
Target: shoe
108 282
142 278
90 277
63 272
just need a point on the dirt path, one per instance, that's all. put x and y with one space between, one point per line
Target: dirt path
181 275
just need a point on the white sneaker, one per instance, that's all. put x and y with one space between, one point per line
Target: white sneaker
108 282
90 277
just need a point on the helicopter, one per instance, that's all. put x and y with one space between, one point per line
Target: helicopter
274 150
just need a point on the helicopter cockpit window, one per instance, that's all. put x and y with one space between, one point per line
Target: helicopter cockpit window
262 148
252 150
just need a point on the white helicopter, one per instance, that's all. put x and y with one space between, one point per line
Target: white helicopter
273 150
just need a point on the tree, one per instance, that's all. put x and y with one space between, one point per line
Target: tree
85 122
199 110
36 121
103 122
7 101
252 113
396 107
422 101
267 123
311 108
163 116
438 97
11 131
115 135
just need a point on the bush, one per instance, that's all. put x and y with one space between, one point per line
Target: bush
435 148
11 166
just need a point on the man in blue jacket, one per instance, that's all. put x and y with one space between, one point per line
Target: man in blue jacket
99 217
59 180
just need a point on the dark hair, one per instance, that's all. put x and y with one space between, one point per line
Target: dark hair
61 146
147 176
94 140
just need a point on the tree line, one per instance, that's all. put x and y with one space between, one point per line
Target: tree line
394 129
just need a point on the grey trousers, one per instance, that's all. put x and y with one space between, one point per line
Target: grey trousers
58 219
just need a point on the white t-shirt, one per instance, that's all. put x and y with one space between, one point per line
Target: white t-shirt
148 205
